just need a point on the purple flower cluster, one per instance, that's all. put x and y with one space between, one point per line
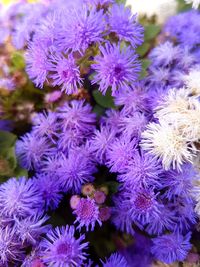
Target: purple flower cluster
133 168
73 42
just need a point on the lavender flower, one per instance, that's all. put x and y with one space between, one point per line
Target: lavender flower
30 229
171 247
10 247
77 115
116 68
19 198
120 153
87 213
115 260
124 24
60 248
49 188
75 171
65 73
31 150
81 28
36 64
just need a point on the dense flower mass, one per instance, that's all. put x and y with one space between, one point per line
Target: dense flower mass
102 166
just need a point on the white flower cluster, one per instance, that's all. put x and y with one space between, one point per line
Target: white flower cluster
174 139
162 9
195 3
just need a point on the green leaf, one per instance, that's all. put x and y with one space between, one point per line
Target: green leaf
18 172
145 65
11 157
121 1
7 140
17 60
143 49
112 186
105 101
98 110
151 31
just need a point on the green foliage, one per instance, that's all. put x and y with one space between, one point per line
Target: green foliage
17 61
151 31
182 6
8 161
105 101
143 49
121 1
145 65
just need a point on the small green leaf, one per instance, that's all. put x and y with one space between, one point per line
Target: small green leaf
7 140
121 1
112 186
18 172
143 49
17 60
151 31
98 110
11 157
105 101
145 65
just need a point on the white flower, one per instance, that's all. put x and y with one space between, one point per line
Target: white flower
192 81
166 143
195 3
161 8
182 111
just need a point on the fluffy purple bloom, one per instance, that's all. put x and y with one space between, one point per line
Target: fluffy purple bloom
124 24
171 247
143 205
19 198
116 260
60 248
10 247
49 188
75 170
81 27
37 64
116 68
30 229
100 2
176 28
178 182
77 115
46 124
100 143
120 153
135 99
143 171
65 73
70 139
32 149
87 214
133 125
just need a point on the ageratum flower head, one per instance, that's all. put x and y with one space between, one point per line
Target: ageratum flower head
115 260
60 248
19 198
87 213
115 67
124 24
169 248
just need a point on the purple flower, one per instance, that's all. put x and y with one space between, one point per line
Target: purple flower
60 248
19 197
116 68
119 154
10 247
81 27
177 182
116 260
75 170
143 205
171 247
143 170
49 189
45 124
77 115
32 149
31 228
124 24
134 99
87 214
37 64
65 73
100 143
